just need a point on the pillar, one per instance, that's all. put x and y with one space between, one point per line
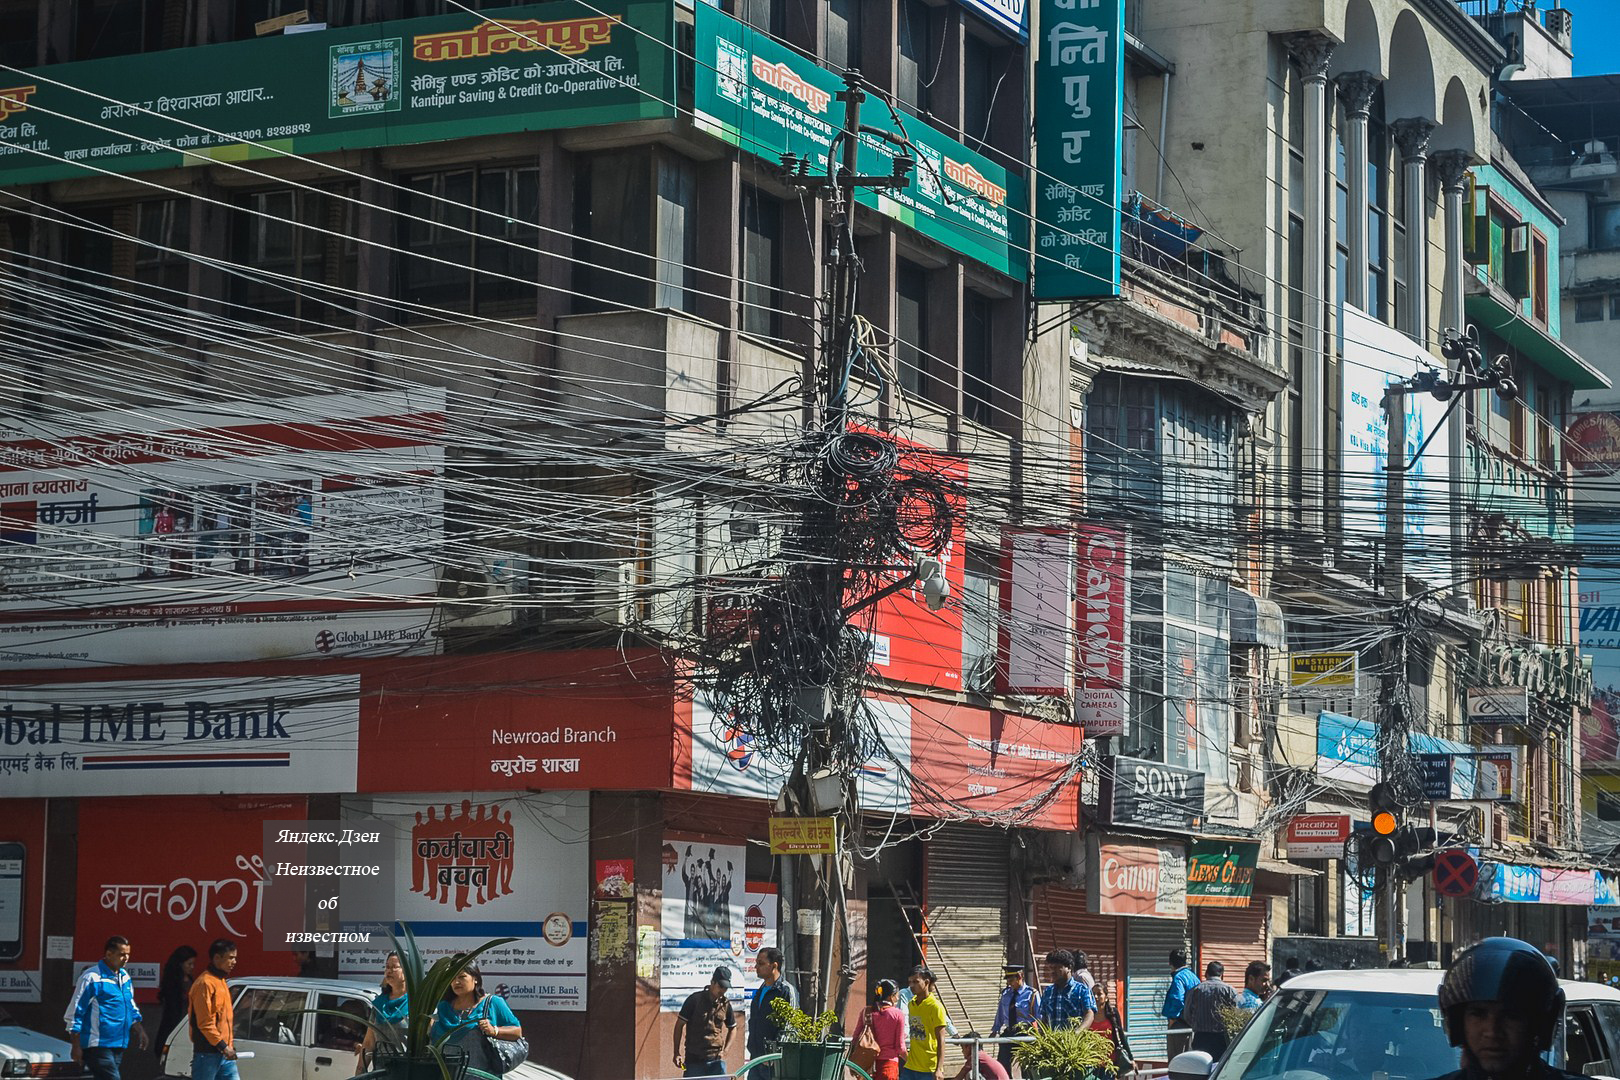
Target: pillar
1412 136
1451 168
1312 52
1357 88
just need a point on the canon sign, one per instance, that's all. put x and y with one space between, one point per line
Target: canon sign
1151 793
1102 699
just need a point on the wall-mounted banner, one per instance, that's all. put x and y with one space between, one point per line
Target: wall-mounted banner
469 867
541 67
1151 794
1322 670
711 916
804 836
1510 884
1008 16
1137 879
1499 705
181 736
1102 581
1033 654
768 100
1317 836
1220 873
1079 95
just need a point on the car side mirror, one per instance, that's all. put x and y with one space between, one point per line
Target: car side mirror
1193 1065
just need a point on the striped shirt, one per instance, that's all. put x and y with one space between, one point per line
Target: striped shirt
1204 1003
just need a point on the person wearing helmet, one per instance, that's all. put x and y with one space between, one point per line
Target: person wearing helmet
1502 1004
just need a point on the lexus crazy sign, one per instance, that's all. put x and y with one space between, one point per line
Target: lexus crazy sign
1151 794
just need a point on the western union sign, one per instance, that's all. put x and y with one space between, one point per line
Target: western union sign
1323 670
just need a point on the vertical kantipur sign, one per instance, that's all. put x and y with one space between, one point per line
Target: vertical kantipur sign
1079 93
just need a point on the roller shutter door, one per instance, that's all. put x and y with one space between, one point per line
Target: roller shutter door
1147 976
1062 922
1234 936
967 921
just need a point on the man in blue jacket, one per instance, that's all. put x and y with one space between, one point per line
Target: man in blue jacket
1175 1001
102 1015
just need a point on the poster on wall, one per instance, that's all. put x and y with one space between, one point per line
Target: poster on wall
201 876
22 897
216 532
712 916
470 867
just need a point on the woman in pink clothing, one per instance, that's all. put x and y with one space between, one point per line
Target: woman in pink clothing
888 1026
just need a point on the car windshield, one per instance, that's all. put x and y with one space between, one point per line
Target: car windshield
1342 1035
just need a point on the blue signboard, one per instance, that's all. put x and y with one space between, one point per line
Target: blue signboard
1512 884
1009 16
1079 103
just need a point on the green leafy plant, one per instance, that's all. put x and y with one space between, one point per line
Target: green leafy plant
1233 1019
1066 1053
799 1026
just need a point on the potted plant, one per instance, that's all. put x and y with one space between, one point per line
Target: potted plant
414 1054
813 1047
1066 1053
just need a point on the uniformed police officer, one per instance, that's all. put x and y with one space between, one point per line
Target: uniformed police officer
1502 1005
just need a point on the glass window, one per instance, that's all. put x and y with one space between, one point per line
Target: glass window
917 65
1538 272
435 268
267 1014
19 35
442 240
342 1033
506 249
1590 308
677 236
163 229
844 34
979 611
977 368
293 243
1614 307
1343 1033
1304 904
119 27
979 81
1606 226
911 329
761 263
613 217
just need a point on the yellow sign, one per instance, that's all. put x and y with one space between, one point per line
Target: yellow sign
803 836
1323 670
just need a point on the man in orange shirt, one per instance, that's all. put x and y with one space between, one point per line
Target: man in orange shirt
213 1055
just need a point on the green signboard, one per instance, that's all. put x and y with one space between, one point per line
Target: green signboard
768 100
1079 102
1220 873
538 67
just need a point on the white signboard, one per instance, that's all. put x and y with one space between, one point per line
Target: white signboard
287 528
1499 705
249 735
1376 355
529 879
1037 616
711 918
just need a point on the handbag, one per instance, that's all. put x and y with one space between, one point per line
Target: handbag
864 1053
506 1054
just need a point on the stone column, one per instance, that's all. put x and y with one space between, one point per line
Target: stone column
1312 52
1357 88
1451 167
1412 136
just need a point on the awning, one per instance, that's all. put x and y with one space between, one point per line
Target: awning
1272 877
1542 349
1255 620
1277 866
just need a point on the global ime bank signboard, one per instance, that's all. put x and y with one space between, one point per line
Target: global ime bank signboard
530 68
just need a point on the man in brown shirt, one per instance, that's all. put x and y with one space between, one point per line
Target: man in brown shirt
708 1023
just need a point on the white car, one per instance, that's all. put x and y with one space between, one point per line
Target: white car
1349 1025
286 1024
26 1053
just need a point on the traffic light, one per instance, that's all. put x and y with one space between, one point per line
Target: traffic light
1382 846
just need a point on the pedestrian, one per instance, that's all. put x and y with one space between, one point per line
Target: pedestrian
390 1011
1290 969
1018 1009
925 1056
1082 970
468 1017
102 1015
173 986
1110 1023
1175 1002
888 1027
763 1032
1257 988
1203 1010
978 1065
213 1020
1066 1001
708 1022
1502 1005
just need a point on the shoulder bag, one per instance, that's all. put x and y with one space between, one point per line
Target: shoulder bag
507 1054
864 1054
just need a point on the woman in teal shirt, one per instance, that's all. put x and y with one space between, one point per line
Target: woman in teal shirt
390 1007
467 1015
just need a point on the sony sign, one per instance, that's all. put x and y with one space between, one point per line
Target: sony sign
1152 794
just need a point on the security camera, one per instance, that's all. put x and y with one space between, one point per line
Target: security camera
936 589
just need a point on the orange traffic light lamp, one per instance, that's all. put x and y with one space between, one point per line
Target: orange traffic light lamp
1385 823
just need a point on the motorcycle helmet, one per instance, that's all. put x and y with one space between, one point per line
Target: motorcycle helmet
1510 972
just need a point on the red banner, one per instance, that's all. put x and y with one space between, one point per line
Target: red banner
166 872
1317 836
993 763
561 721
1103 561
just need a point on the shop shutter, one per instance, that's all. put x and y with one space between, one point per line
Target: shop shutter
1148 944
1234 936
1062 922
967 921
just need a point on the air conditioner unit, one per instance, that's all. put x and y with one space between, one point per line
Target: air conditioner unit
587 594
478 591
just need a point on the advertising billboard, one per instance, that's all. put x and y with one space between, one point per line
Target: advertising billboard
710 918
293 528
1102 702
1376 355
22 899
1137 879
530 68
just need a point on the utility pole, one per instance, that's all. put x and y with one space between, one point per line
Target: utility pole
825 716
1392 735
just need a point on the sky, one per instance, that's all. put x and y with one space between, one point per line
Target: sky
1597 27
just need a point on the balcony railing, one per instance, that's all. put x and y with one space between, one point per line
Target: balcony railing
1157 240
